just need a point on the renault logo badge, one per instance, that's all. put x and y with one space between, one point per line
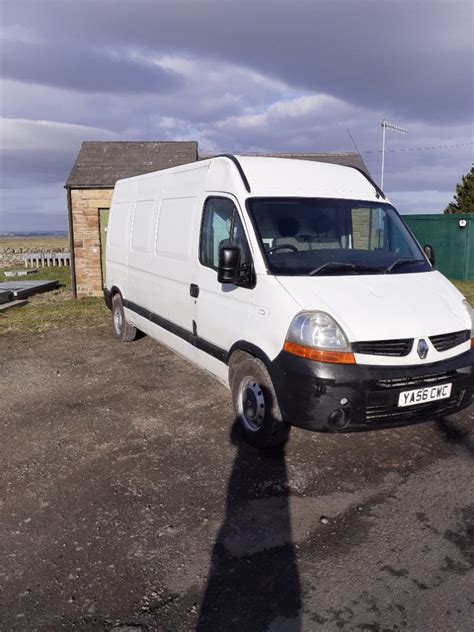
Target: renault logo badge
422 349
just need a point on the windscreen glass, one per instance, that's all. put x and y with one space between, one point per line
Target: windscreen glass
320 236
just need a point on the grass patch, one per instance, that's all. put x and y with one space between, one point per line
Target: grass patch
37 316
34 242
467 288
61 274
55 309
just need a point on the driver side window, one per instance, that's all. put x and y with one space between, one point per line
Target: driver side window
221 227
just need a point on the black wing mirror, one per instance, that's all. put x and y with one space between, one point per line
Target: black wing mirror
429 252
229 270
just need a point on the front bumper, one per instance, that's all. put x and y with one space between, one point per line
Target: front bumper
309 392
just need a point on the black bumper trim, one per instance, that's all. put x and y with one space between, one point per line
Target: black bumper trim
308 392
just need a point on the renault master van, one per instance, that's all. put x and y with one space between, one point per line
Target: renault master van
298 286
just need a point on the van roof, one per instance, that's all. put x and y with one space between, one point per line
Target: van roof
262 176
325 179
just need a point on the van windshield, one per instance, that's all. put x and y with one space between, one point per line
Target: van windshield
322 236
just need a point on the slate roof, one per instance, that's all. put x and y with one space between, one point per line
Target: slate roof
101 164
348 159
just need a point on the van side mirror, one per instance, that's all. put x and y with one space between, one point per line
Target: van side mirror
429 252
229 265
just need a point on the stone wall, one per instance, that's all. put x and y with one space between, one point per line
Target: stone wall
360 228
16 256
87 252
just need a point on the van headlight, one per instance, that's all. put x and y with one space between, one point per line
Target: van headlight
470 311
317 336
318 330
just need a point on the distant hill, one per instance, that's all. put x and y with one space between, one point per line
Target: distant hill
33 233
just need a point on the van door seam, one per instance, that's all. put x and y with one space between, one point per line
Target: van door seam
183 333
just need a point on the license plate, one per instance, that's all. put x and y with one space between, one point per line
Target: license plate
423 395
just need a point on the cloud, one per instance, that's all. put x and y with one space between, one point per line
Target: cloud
41 151
303 123
321 123
43 209
83 68
237 76
207 93
413 57
419 202
45 135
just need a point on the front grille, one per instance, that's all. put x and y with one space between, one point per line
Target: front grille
401 347
444 342
392 413
419 380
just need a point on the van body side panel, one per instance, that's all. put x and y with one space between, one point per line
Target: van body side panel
140 257
271 311
162 278
212 365
221 314
118 235
169 295
174 342
161 257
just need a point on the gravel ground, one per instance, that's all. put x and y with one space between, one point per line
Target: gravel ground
128 503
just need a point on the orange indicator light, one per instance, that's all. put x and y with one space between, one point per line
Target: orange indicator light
319 355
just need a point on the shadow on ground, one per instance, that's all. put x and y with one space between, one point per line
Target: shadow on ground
253 582
452 433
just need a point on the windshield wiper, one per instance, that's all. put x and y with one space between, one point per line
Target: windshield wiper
402 262
339 265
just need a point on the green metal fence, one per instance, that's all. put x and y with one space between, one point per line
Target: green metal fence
452 237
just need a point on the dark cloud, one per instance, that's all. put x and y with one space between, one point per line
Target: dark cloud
240 76
30 167
27 219
414 57
82 69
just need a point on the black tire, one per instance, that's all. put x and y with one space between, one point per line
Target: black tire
123 331
256 407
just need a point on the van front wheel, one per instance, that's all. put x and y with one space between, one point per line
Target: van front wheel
255 404
122 329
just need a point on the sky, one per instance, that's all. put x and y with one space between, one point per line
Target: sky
237 76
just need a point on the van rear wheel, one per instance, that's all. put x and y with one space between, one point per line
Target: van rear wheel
123 331
256 407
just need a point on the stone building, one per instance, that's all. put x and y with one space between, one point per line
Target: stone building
90 185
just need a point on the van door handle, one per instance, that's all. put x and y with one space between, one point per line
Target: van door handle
194 290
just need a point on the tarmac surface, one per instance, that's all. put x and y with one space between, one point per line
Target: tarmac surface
129 503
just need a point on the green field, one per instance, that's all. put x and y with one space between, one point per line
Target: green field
30 243
61 273
54 309
467 288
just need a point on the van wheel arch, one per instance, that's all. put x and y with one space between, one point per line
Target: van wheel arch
242 346
115 290
257 412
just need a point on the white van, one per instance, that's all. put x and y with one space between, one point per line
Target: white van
297 285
